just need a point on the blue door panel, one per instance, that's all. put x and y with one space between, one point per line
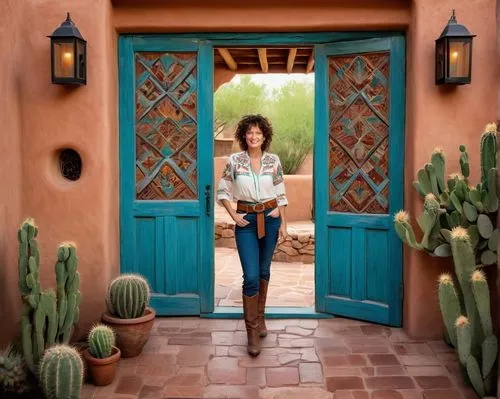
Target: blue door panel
377 262
166 169
358 169
340 251
146 262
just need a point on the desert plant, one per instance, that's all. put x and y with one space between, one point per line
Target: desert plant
101 341
457 220
61 372
12 370
457 203
48 317
128 296
476 344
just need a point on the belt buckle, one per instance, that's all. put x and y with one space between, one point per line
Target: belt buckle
258 207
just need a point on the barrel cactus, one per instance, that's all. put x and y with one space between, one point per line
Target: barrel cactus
12 370
128 296
101 341
61 373
48 317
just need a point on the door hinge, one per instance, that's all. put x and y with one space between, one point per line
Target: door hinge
401 291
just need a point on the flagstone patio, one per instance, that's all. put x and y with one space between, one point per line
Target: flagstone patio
291 284
335 358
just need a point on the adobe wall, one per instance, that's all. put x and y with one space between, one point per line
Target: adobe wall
11 12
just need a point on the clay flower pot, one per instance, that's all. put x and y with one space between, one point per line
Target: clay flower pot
102 371
131 334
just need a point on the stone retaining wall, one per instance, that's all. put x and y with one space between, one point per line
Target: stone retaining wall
298 247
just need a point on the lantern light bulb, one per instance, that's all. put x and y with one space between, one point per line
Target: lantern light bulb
454 55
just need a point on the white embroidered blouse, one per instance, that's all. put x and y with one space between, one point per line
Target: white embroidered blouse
240 182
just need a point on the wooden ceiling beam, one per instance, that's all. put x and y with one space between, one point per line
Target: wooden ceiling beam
228 59
291 59
263 59
310 63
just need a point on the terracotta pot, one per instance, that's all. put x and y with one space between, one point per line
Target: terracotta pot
131 334
102 371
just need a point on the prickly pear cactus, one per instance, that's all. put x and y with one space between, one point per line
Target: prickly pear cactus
458 220
455 202
101 341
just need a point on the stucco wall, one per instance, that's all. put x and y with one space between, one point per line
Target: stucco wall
43 117
10 163
440 117
48 118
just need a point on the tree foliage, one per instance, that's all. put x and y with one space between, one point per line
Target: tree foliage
289 108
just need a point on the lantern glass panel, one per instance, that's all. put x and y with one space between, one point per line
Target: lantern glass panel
80 56
459 57
64 59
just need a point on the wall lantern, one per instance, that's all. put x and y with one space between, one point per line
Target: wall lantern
68 53
454 54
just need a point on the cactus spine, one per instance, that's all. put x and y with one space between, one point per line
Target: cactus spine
128 296
61 373
48 318
458 221
101 341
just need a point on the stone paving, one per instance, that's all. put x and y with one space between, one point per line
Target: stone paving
291 284
335 358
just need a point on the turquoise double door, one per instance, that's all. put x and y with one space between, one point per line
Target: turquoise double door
166 168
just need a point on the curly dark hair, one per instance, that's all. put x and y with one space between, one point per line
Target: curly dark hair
251 120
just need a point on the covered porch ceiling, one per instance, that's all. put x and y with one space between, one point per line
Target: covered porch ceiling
277 59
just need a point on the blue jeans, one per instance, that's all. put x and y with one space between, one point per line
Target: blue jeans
256 254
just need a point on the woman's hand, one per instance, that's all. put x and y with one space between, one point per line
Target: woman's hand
275 213
239 219
283 233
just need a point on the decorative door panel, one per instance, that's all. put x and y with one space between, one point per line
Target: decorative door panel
358 178
165 178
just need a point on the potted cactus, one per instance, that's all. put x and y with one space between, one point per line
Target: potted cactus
61 372
102 355
129 314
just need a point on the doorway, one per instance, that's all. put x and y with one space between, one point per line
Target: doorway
167 172
278 83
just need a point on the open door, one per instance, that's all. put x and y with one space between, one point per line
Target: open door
358 171
166 153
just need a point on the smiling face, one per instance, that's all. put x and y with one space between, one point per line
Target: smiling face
254 137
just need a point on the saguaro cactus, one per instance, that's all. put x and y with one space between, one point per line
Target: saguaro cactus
48 317
128 296
61 373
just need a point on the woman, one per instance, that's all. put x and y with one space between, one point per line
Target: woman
254 178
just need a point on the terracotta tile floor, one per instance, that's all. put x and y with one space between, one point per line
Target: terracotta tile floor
291 284
336 358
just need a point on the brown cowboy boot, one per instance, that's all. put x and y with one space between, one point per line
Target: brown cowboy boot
263 284
251 314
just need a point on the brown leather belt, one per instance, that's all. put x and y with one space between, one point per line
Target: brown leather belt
259 209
